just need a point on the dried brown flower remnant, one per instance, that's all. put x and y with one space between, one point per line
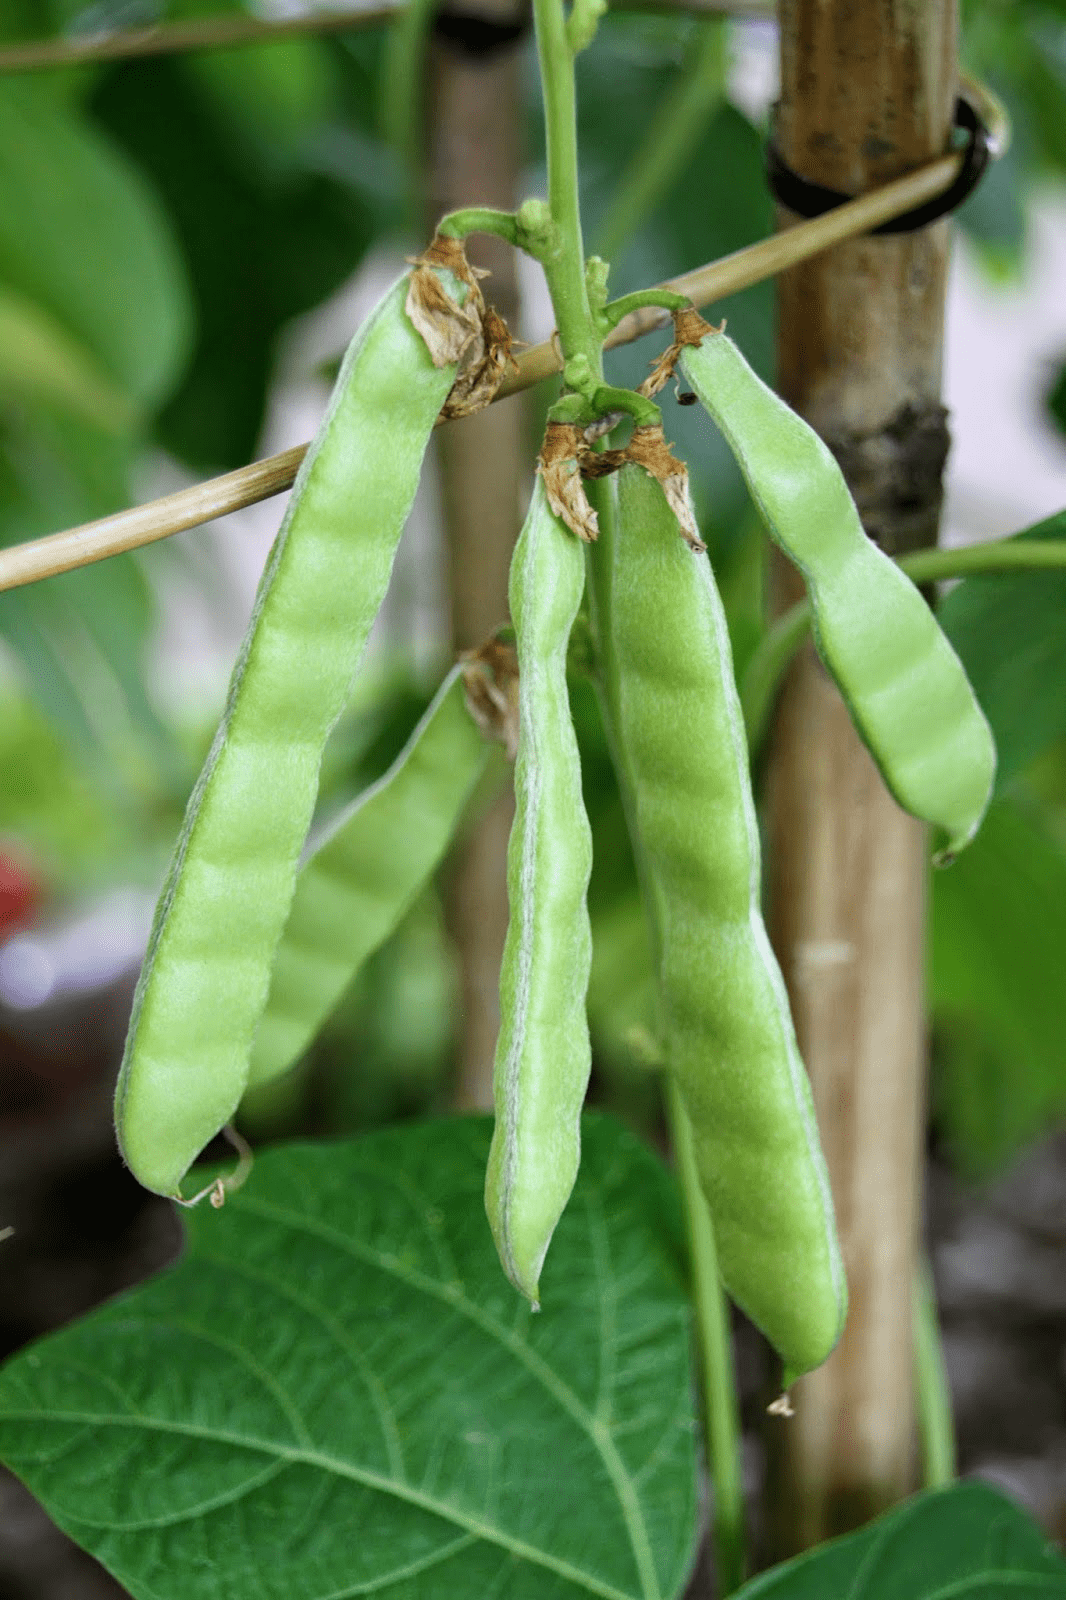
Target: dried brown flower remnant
562 456
483 367
448 329
490 679
444 250
648 449
599 463
473 335
661 373
689 328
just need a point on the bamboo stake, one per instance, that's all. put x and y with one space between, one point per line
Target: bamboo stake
188 508
865 91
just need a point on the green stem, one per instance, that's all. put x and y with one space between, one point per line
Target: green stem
613 313
645 412
592 400
403 82
676 126
766 669
783 638
564 268
936 1424
976 560
480 219
721 1418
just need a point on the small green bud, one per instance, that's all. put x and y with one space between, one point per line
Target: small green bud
536 227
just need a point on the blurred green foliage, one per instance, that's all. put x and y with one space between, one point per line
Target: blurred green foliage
1011 635
997 957
1019 48
998 945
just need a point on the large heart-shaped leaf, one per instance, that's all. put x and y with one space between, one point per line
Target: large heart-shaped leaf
337 1393
962 1543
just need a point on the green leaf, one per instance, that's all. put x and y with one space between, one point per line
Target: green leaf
82 235
337 1393
268 99
1011 635
1016 49
997 955
963 1543
28 625
81 637
259 252
47 802
40 361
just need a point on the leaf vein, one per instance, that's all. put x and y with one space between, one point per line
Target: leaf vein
362 1476
379 1399
456 1297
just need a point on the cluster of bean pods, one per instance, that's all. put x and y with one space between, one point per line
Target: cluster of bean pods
673 715
252 947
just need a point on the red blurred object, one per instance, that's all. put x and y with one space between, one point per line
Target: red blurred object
20 892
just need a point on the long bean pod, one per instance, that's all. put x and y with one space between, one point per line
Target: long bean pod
674 717
364 873
204 980
543 1054
905 688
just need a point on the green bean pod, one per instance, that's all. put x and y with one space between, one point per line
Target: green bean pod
674 717
365 872
905 688
543 1053
205 976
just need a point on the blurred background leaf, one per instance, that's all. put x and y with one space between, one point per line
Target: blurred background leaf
264 241
997 958
1010 632
83 236
1018 47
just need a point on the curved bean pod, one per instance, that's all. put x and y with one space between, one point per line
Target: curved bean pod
543 1054
365 872
674 716
204 980
905 688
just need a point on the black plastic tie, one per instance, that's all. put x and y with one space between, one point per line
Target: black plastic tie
808 199
479 36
